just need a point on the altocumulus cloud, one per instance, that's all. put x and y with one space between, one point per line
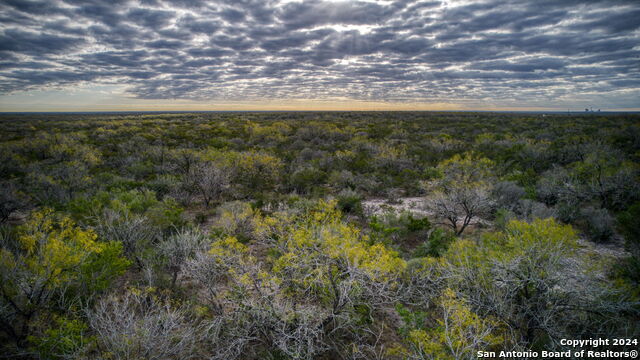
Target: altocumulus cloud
511 53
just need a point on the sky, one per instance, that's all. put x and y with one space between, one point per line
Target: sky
120 55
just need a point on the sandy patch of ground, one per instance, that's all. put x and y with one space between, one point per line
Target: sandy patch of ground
414 205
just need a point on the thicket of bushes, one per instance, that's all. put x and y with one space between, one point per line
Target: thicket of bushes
246 236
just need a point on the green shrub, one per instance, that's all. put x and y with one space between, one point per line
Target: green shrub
629 268
63 340
415 225
628 225
306 179
436 245
350 202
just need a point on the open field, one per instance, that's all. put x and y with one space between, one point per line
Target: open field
316 235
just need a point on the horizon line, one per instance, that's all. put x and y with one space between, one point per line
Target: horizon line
311 111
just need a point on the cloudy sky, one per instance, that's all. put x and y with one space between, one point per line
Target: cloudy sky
81 55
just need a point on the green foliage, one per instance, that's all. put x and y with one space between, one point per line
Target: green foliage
350 202
280 273
403 222
466 170
166 214
521 269
237 219
502 218
420 224
134 201
50 255
459 333
307 179
628 224
411 320
163 214
63 339
541 240
57 249
258 172
436 245
382 232
324 235
397 228
99 271
628 275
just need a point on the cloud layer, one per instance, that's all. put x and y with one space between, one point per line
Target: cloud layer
512 53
